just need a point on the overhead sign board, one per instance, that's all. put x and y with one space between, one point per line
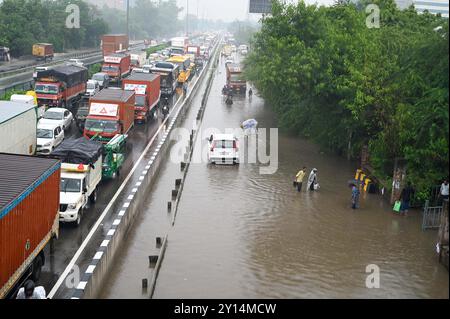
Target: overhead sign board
260 6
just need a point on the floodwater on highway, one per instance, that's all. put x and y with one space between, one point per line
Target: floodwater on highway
240 234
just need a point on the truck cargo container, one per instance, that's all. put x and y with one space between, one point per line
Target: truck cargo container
179 42
148 94
117 66
112 43
235 79
111 112
81 173
61 86
138 60
27 221
43 51
194 50
168 73
18 123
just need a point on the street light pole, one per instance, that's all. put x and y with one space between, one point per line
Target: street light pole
128 19
187 18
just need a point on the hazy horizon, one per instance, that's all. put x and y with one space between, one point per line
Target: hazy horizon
228 10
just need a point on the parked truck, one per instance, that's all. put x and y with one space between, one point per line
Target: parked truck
18 122
117 66
81 173
112 43
29 193
43 51
168 73
111 112
148 94
61 86
235 79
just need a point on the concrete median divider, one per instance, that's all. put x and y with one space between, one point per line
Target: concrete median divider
93 278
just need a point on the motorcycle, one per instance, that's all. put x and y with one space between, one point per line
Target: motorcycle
165 111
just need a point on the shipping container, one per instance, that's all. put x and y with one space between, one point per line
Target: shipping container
111 112
148 93
29 203
18 123
112 43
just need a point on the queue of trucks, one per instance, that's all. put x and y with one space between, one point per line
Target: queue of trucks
70 175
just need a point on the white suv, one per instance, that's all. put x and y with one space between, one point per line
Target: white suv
49 136
223 149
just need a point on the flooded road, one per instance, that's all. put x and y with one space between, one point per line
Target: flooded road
240 234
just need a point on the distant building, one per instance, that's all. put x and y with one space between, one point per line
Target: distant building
432 6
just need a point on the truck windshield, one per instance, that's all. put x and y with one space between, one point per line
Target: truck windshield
53 115
236 78
97 125
46 89
98 77
140 100
70 185
43 133
110 68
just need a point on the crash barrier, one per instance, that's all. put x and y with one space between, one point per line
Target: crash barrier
93 278
184 166
431 216
157 266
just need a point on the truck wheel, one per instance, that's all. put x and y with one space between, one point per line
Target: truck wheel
93 197
37 268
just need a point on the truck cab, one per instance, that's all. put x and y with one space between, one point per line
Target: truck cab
81 173
78 187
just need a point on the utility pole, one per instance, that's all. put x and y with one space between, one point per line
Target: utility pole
128 19
187 18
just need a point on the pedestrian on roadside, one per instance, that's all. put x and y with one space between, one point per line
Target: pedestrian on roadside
312 180
443 191
299 178
405 197
185 88
29 291
355 196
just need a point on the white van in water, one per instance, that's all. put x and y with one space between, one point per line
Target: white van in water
223 149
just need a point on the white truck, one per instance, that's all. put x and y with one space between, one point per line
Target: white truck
29 98
81 173
18 122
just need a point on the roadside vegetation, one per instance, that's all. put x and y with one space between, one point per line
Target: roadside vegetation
25 22
331 78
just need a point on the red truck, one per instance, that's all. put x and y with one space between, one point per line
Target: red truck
111 112
112 43
61 86
117 66
148 94
195 50
235 79
29 218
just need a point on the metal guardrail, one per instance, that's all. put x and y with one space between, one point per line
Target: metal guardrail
28 85
431 216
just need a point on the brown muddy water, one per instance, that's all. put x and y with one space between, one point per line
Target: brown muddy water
240 234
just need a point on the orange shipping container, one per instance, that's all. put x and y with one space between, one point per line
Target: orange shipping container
29 204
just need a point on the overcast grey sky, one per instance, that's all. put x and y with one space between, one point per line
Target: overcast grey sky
227 10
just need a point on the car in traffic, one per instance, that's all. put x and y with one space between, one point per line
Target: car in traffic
92 87
39 69
57 115
223 149
49 136
102 79
76 62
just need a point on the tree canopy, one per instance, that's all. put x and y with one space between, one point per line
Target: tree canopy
330 77
25 22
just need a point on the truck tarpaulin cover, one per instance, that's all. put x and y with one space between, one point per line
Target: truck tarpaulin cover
71 74
78 151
